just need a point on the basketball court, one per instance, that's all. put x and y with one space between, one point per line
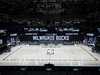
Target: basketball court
63 55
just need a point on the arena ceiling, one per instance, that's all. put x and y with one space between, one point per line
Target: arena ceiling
49 12
47 8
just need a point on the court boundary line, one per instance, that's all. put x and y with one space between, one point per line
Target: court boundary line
12 53
89 54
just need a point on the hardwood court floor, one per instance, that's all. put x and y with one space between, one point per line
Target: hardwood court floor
64 55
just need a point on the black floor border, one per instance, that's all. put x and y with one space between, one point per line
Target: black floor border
90 54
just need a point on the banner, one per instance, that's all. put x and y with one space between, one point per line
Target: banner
1 42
